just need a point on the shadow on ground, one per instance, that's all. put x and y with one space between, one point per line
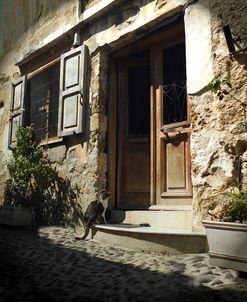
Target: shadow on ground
35 268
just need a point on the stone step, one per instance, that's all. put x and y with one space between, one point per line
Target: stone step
167 218
169 241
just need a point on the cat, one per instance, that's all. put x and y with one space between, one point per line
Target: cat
96 213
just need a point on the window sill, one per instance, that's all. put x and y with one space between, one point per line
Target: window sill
51 141
181 127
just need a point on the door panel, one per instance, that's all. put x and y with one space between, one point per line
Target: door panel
138 176
173 185
175 165
134 132
176 168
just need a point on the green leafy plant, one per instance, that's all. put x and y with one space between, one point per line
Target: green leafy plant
30 173
232 208
222 87
217 87
236 209
33 182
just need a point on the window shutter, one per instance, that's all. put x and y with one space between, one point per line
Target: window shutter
72 92
17 109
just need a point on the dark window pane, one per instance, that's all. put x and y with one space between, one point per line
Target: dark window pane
174 84
139 100
43 97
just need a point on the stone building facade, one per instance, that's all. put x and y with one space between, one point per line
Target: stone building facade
166 163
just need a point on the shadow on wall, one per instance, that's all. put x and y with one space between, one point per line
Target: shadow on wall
59 206
237 26
18 17
35 268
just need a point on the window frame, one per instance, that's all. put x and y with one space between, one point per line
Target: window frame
73 99
30 75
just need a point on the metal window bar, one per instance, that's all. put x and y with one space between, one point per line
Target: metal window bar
175 102
44 95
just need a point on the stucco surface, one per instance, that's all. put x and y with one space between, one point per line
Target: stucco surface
198 46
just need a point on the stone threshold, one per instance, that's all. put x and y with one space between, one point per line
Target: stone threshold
171 241
135 228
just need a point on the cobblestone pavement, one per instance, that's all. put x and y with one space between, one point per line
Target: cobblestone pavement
48 264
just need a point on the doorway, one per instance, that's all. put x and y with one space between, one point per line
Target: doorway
152 136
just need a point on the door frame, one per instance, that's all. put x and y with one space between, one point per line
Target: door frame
170 35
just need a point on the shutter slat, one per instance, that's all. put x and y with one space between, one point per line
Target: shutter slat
17 109
72 92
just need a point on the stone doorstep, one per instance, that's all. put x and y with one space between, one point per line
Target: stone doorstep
169 218
151 239
136 228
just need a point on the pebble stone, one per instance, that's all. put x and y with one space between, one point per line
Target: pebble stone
48 264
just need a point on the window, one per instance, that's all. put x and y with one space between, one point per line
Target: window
43 101
174 84
139 97
53 99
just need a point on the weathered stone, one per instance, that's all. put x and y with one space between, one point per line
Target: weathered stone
57 154
98 123
228 275
204 279
216 133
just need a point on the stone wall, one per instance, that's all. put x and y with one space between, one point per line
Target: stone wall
25 26
216 141
80 159
219 136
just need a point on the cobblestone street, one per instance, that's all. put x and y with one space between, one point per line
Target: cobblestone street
48 264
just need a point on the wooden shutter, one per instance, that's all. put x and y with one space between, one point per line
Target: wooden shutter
17 109
72 92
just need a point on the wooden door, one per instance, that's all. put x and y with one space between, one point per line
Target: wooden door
153 127
134 132
173 181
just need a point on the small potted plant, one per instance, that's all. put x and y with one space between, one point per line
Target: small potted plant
30 176
227 232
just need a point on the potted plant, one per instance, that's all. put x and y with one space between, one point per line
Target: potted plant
30 176
227 232
227 229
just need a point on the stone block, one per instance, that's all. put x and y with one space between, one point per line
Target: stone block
57 154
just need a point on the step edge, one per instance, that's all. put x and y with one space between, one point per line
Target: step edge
145 230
